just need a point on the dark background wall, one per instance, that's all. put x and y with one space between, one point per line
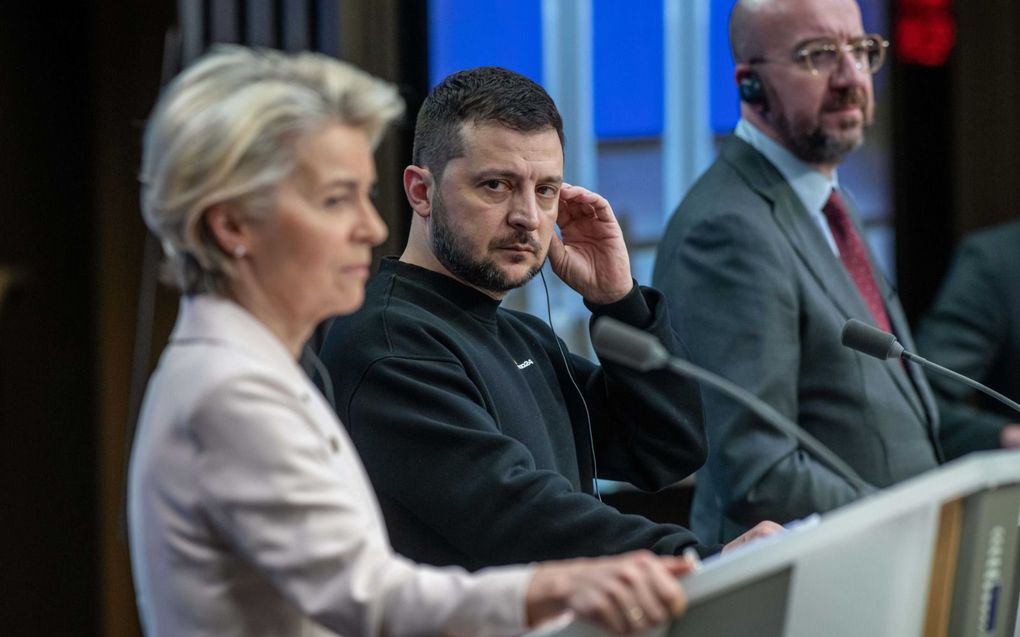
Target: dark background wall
48 500
75 87
956 145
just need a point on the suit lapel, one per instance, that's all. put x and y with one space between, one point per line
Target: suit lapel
814 252
915 386
901 327
798 226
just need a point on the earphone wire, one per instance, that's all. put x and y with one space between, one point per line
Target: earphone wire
580 394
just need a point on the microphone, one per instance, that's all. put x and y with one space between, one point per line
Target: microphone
626 345
883 345
869 340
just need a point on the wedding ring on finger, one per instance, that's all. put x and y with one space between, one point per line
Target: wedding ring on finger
635 615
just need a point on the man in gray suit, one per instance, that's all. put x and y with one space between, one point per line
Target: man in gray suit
974 328
763 263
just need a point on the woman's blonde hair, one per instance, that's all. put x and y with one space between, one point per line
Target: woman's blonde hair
225 130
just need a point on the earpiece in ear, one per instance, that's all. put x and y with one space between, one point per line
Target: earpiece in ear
751 90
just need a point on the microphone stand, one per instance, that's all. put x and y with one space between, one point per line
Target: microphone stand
935 367
768 413
639 350
867 339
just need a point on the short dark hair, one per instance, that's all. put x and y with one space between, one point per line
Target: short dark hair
487 94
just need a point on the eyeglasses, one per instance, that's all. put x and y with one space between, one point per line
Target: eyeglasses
822 57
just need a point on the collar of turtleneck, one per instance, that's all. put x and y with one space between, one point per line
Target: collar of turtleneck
467 298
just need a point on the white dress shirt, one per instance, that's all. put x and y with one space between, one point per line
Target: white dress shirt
251 514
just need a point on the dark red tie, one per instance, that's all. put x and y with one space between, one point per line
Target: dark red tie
855 258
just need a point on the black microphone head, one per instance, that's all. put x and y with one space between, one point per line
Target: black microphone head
621 343
870 340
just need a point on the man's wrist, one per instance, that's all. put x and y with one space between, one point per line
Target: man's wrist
611 296
631 308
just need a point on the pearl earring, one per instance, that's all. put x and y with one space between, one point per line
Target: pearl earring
240 250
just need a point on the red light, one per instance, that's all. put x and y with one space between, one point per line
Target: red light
925 5
910 5
925 32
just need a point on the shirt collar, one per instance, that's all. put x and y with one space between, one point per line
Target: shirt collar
213 318
812 187
451 290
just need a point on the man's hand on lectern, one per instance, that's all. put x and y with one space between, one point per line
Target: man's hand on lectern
1010 437
761 529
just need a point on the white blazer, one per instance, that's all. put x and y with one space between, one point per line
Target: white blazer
251 514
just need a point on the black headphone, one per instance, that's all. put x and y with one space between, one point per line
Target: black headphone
752 90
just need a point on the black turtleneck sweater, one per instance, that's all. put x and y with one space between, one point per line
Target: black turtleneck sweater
476 440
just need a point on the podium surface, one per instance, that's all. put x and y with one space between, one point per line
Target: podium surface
934 556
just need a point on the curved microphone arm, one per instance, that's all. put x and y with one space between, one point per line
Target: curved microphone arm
872 341
935 367
640 350
765 411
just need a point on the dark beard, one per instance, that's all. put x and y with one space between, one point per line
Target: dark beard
452 252
815 146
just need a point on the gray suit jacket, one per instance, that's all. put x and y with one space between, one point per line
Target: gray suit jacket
974 328
758 296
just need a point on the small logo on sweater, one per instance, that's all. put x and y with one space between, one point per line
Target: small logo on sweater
527 363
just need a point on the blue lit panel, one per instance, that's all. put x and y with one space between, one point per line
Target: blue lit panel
873 15
464 34
725 103
627 61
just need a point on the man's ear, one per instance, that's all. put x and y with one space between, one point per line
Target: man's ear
419 186
228 227
750 88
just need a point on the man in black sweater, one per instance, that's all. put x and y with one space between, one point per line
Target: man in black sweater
481 434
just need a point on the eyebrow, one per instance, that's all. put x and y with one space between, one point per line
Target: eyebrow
314 181
339 182
826 38
484 174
